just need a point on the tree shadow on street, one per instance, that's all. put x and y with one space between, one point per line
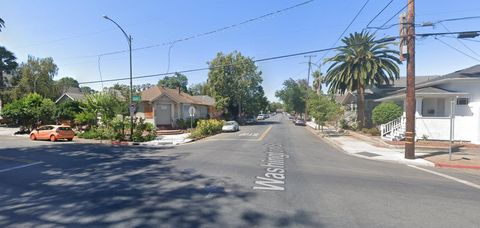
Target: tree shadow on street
97 185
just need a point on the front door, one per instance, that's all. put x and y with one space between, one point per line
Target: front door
163 114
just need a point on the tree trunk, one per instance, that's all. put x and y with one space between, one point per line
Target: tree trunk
361 106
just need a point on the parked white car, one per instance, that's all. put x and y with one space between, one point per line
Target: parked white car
261 117
231 126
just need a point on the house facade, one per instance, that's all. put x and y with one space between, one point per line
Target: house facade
163 106
454 97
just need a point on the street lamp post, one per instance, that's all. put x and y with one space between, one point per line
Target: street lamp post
129 40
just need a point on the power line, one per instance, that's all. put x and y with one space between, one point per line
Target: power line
383 40
456 49
424 24
478 41
208 32
227 65
378 14
460 41
458 19
393 16
345 30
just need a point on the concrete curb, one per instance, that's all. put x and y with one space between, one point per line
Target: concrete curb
456 166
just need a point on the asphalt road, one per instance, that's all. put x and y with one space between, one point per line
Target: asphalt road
273 174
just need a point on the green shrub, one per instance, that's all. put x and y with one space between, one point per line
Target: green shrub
185 124
344 124
374 131
386 112
207 127
144 131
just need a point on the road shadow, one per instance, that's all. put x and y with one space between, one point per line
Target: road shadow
299 218
266 122
97 185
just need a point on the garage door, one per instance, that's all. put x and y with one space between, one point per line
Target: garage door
163 114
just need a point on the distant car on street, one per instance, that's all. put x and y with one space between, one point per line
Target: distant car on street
231 126
261 117
52 133
250 120
300 122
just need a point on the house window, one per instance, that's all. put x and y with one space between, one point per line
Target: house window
462 101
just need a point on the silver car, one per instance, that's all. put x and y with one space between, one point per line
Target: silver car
231 126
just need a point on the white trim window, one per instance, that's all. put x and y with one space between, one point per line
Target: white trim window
462 101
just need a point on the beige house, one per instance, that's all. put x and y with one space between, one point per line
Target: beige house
163 106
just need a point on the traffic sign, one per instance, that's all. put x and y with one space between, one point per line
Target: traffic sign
136 98
132 109
191 111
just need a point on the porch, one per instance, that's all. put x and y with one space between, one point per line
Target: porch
435 108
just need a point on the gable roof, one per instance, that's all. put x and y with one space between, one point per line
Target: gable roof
73 93
156 92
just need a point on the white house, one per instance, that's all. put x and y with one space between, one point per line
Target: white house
435 98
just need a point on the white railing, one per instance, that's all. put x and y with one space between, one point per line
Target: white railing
394 129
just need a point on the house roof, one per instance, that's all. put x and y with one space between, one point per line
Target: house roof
426 91
155 92
467 73
73 93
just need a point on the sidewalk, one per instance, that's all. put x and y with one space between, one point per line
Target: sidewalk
376 149
169 140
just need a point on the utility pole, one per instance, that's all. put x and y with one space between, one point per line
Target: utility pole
410 96
308 83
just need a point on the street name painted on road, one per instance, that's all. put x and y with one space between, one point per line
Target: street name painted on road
274 178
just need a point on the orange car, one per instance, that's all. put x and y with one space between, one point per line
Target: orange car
53 133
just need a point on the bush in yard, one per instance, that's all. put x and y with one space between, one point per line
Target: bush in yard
374 131
206 128
386 112
144 131
185 124
29 111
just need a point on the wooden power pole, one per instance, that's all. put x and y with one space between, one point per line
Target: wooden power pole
410 96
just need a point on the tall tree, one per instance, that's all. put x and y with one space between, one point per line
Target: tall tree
7 65
63 84
361 63
235 83
198 89
87 90
293 95
317 81
176 81
36 76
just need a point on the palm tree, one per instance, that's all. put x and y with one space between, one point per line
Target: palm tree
361 63
317 81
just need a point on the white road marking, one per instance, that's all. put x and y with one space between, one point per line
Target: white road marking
250 134
448 177
19 167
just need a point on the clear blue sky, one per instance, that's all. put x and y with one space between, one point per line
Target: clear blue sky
70 30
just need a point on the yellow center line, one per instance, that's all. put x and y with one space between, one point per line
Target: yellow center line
265 133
